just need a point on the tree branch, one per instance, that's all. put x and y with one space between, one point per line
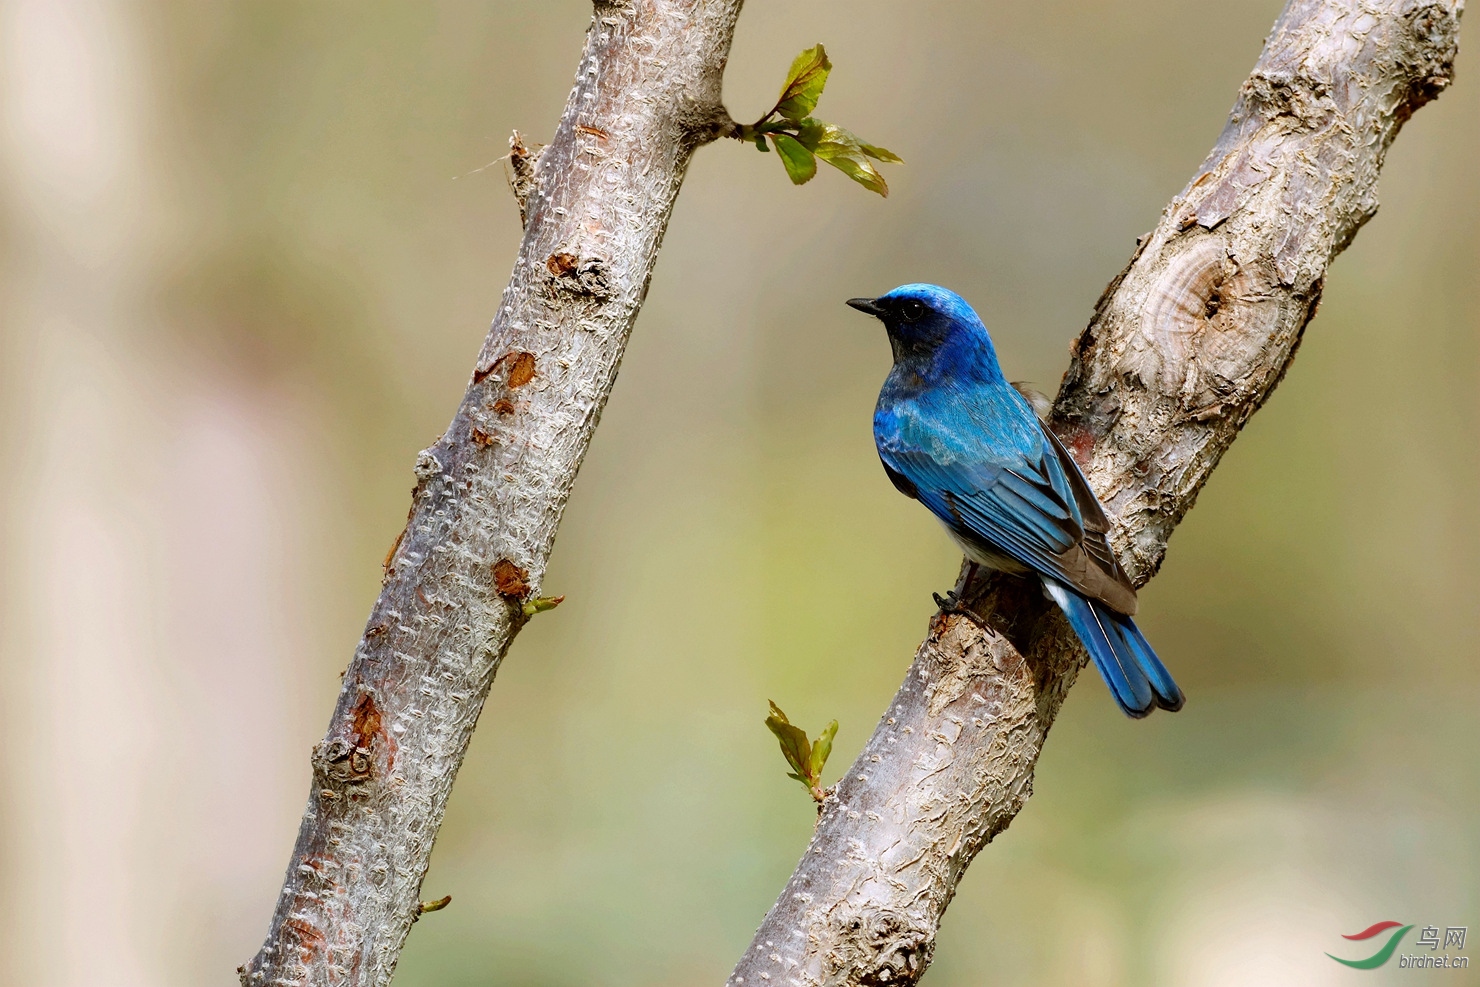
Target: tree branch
490 492
1185 344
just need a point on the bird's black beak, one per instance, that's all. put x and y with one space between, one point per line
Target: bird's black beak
868 306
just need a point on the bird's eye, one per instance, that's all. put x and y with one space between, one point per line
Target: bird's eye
911 310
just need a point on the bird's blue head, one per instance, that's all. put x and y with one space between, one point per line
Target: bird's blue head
928 324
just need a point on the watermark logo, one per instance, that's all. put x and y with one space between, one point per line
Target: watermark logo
1384 954
1454 935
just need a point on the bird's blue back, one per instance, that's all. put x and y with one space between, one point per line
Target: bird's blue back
956 435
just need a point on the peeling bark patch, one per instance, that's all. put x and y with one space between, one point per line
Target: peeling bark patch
385 567
517 366
562 265
510 580
365 721
503 406
479 436
1237 180
521 175
521 368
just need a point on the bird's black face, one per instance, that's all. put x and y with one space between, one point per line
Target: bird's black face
891 309
915 321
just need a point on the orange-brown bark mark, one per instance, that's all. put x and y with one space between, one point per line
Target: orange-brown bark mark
310 940
521 369
561 264
516 369
513 370
365 721
510 580
390 555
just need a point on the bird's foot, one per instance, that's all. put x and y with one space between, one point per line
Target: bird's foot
950 603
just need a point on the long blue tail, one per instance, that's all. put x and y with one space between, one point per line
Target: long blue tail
1136 677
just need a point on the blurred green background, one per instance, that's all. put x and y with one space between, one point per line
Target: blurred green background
248 252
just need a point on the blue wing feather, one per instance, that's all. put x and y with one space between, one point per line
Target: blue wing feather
978 505
981 461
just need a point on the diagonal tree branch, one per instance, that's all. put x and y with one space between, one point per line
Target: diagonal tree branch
1185 345
463 577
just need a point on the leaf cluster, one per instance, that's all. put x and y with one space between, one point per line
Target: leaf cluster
806 758
800 140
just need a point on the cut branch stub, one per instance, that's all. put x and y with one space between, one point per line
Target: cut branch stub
572 274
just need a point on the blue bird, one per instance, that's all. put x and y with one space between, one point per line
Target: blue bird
956 436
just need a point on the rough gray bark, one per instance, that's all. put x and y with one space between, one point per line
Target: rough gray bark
490 492
1185 344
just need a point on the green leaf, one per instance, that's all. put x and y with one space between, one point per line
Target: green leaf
799 162
880 153
800 140
821 748
804 84
844 151
794 745
860 170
